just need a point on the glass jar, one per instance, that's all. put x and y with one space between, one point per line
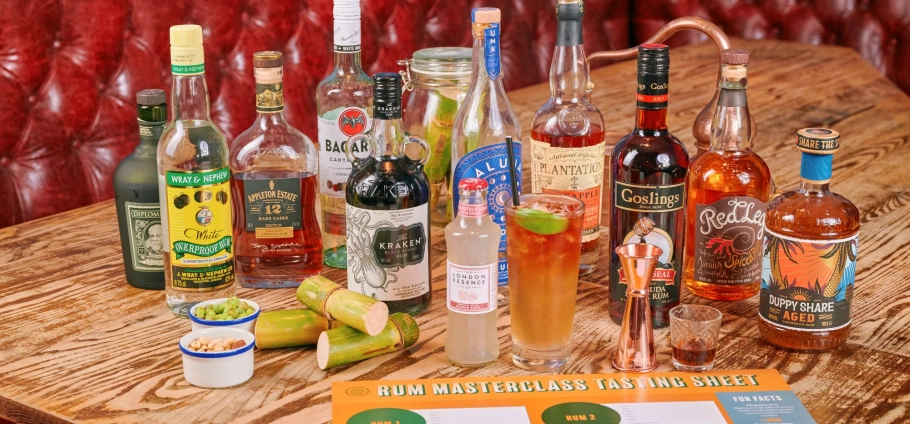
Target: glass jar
438 79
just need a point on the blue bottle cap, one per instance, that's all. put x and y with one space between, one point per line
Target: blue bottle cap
817 146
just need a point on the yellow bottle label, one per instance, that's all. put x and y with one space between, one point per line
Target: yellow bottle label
199 229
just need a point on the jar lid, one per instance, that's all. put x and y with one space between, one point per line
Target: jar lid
442 60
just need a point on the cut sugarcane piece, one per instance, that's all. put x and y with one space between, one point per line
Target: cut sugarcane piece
345 345
337 303
290 328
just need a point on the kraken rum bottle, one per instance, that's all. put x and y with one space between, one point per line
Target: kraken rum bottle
194 185
276 235
483 121
388 216
649 168
343 108
136 196
729 190
567 136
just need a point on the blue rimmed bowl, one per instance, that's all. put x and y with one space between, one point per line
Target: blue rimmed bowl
215 370
245 323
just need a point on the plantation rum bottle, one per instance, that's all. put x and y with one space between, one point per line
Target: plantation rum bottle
649 190
388 215
276 235
343 108
729 189
567 136
194 185
482 123
136 197
810 255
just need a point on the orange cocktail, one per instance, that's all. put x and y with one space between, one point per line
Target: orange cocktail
543 245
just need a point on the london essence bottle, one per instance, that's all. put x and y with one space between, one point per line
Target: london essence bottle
387 213
277 240
729 189
136 196
567 136
810 255
343 105
194 185
482 123
649 190
472 242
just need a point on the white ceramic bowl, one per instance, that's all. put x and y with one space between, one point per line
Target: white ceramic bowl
215 370
245 323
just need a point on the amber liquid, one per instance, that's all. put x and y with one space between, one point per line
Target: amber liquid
590 250
277 262
694 353
715 175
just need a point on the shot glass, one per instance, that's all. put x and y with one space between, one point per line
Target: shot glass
693 335
543 248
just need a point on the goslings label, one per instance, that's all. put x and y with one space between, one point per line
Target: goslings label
729 236
646 198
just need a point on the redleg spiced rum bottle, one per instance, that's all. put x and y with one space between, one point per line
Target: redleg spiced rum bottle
276 236
567 136
649 169
810 255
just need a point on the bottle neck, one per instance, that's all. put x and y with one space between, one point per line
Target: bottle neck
652 98
388 136
348 62
651 119
190 98
473 204
269 94
732 125
569 74
485 57
814 188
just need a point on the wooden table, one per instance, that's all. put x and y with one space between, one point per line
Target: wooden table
79 344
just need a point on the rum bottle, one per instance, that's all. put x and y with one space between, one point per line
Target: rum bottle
729 190
483 121
276 235
387 208
809 262
649 168
136 197
194 185
343 109
567 136
472 242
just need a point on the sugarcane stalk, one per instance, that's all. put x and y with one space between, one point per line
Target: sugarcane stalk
346 345
290 328
336 303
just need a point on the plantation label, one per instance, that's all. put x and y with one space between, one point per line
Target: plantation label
729 236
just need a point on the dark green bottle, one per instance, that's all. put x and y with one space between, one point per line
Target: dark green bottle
136 196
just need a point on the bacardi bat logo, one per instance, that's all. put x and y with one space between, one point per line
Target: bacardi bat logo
352 122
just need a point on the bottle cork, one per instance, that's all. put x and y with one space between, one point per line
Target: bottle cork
735 56
485 15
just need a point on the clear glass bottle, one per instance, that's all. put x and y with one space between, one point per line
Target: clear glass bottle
728 194
567 133
472 243
277 242
344 109
136 197
811 247
438 78
388 225
481 125
194 185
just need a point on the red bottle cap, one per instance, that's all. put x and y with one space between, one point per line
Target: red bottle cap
474 184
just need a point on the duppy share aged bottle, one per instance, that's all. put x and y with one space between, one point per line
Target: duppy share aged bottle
194 185
809 262
649 168
136 197
387 208
472 242
344 110
729 189
567 136
483 121
276 235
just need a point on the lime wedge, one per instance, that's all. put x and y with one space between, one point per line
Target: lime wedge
540 222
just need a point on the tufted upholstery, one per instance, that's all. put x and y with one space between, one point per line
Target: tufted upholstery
69 70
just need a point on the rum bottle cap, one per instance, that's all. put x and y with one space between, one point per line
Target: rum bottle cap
186 35
817 146
151 97
268 59
485 15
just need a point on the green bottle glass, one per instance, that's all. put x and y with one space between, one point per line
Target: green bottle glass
136 197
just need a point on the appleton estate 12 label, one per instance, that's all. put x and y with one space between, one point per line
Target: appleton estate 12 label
272 207
729 236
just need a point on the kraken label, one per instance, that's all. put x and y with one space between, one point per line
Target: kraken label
729 236
334 132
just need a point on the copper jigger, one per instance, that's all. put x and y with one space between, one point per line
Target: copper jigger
635 351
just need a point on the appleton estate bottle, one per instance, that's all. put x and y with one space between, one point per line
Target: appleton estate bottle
729 189
567 136
649 189
136 196
343 108
810 255
276 235
388 216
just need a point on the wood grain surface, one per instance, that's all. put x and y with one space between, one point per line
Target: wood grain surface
80 344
